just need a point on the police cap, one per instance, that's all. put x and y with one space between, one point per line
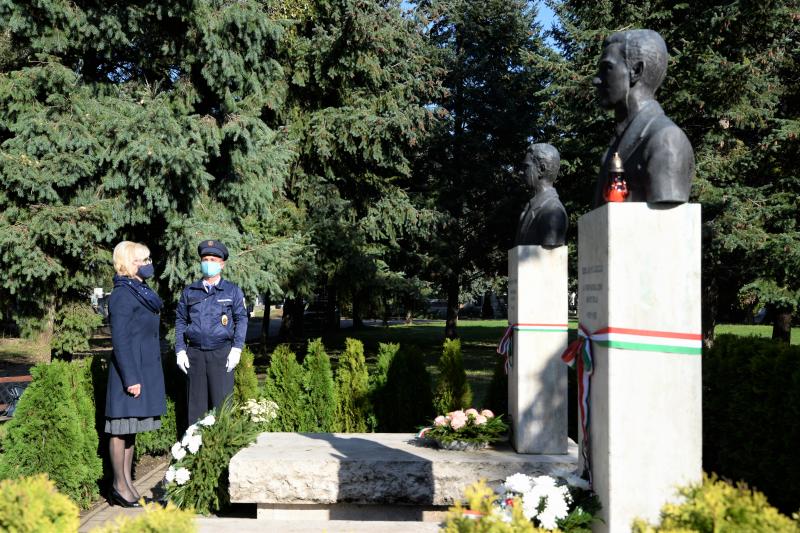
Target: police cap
212 247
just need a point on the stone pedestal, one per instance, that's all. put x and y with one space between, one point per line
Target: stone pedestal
537 379
369 476
639 297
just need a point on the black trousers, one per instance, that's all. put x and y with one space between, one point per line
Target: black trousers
208 383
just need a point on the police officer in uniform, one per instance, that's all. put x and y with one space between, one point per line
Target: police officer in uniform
210 330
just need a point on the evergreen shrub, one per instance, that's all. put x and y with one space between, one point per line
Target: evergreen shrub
353 409
74 325
284 386
34 504
320 388
750 384
452 390
402 399
154 519
245 380
497 394
158 442
715 506
53 432
219 437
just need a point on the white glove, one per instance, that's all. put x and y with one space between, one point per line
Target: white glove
183 361
233 358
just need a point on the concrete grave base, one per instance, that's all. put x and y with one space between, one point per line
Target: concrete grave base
369 476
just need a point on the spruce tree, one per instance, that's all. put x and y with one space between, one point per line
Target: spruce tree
149 122
360 77
491 110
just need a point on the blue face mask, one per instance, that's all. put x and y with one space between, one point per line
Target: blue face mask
210 268
146 271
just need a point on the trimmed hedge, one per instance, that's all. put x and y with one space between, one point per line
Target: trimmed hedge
284 386
34 504
245 380
402 396
751 408
155 518
716 506
53 432
353 408
452 390
320 388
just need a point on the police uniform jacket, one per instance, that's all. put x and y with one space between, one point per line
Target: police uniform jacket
136 358
211 319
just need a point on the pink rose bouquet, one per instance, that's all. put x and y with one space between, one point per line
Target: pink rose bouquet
468 426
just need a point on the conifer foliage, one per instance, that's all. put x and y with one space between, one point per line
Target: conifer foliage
284 386
320 388
53 432
353 408
145 121
731 84
452 390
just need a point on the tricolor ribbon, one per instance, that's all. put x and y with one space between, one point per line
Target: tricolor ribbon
504 347
578 355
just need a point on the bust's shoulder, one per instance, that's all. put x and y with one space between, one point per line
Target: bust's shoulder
664 134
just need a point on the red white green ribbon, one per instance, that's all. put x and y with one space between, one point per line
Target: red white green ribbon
578 355
504 347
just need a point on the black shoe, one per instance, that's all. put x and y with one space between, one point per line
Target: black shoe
117 499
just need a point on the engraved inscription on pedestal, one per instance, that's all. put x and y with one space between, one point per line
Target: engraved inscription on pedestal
592 281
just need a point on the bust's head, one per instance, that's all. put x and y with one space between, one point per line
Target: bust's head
633 58
541 165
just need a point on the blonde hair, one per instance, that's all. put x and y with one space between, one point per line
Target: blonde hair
125 253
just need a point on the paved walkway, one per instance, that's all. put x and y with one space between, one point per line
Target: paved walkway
148 486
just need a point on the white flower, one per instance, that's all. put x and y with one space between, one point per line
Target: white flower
170 475
519 483
188 435
178 452
553 499
207 421
182 475
194 443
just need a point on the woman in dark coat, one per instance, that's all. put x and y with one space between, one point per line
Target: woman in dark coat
135 398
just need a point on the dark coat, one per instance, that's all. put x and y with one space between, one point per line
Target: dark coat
543 222
136 358
211 319
657 157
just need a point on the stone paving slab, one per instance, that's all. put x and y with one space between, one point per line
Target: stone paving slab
372 468
244 525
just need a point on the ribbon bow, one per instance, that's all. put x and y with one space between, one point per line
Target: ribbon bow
578 355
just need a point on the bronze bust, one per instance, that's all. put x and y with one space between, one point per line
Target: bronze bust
544 220
656 154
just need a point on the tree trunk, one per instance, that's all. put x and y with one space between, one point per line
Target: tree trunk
292 322
451 326
358 323
265 322
487 311
331 315
45 337
782 325
710 296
